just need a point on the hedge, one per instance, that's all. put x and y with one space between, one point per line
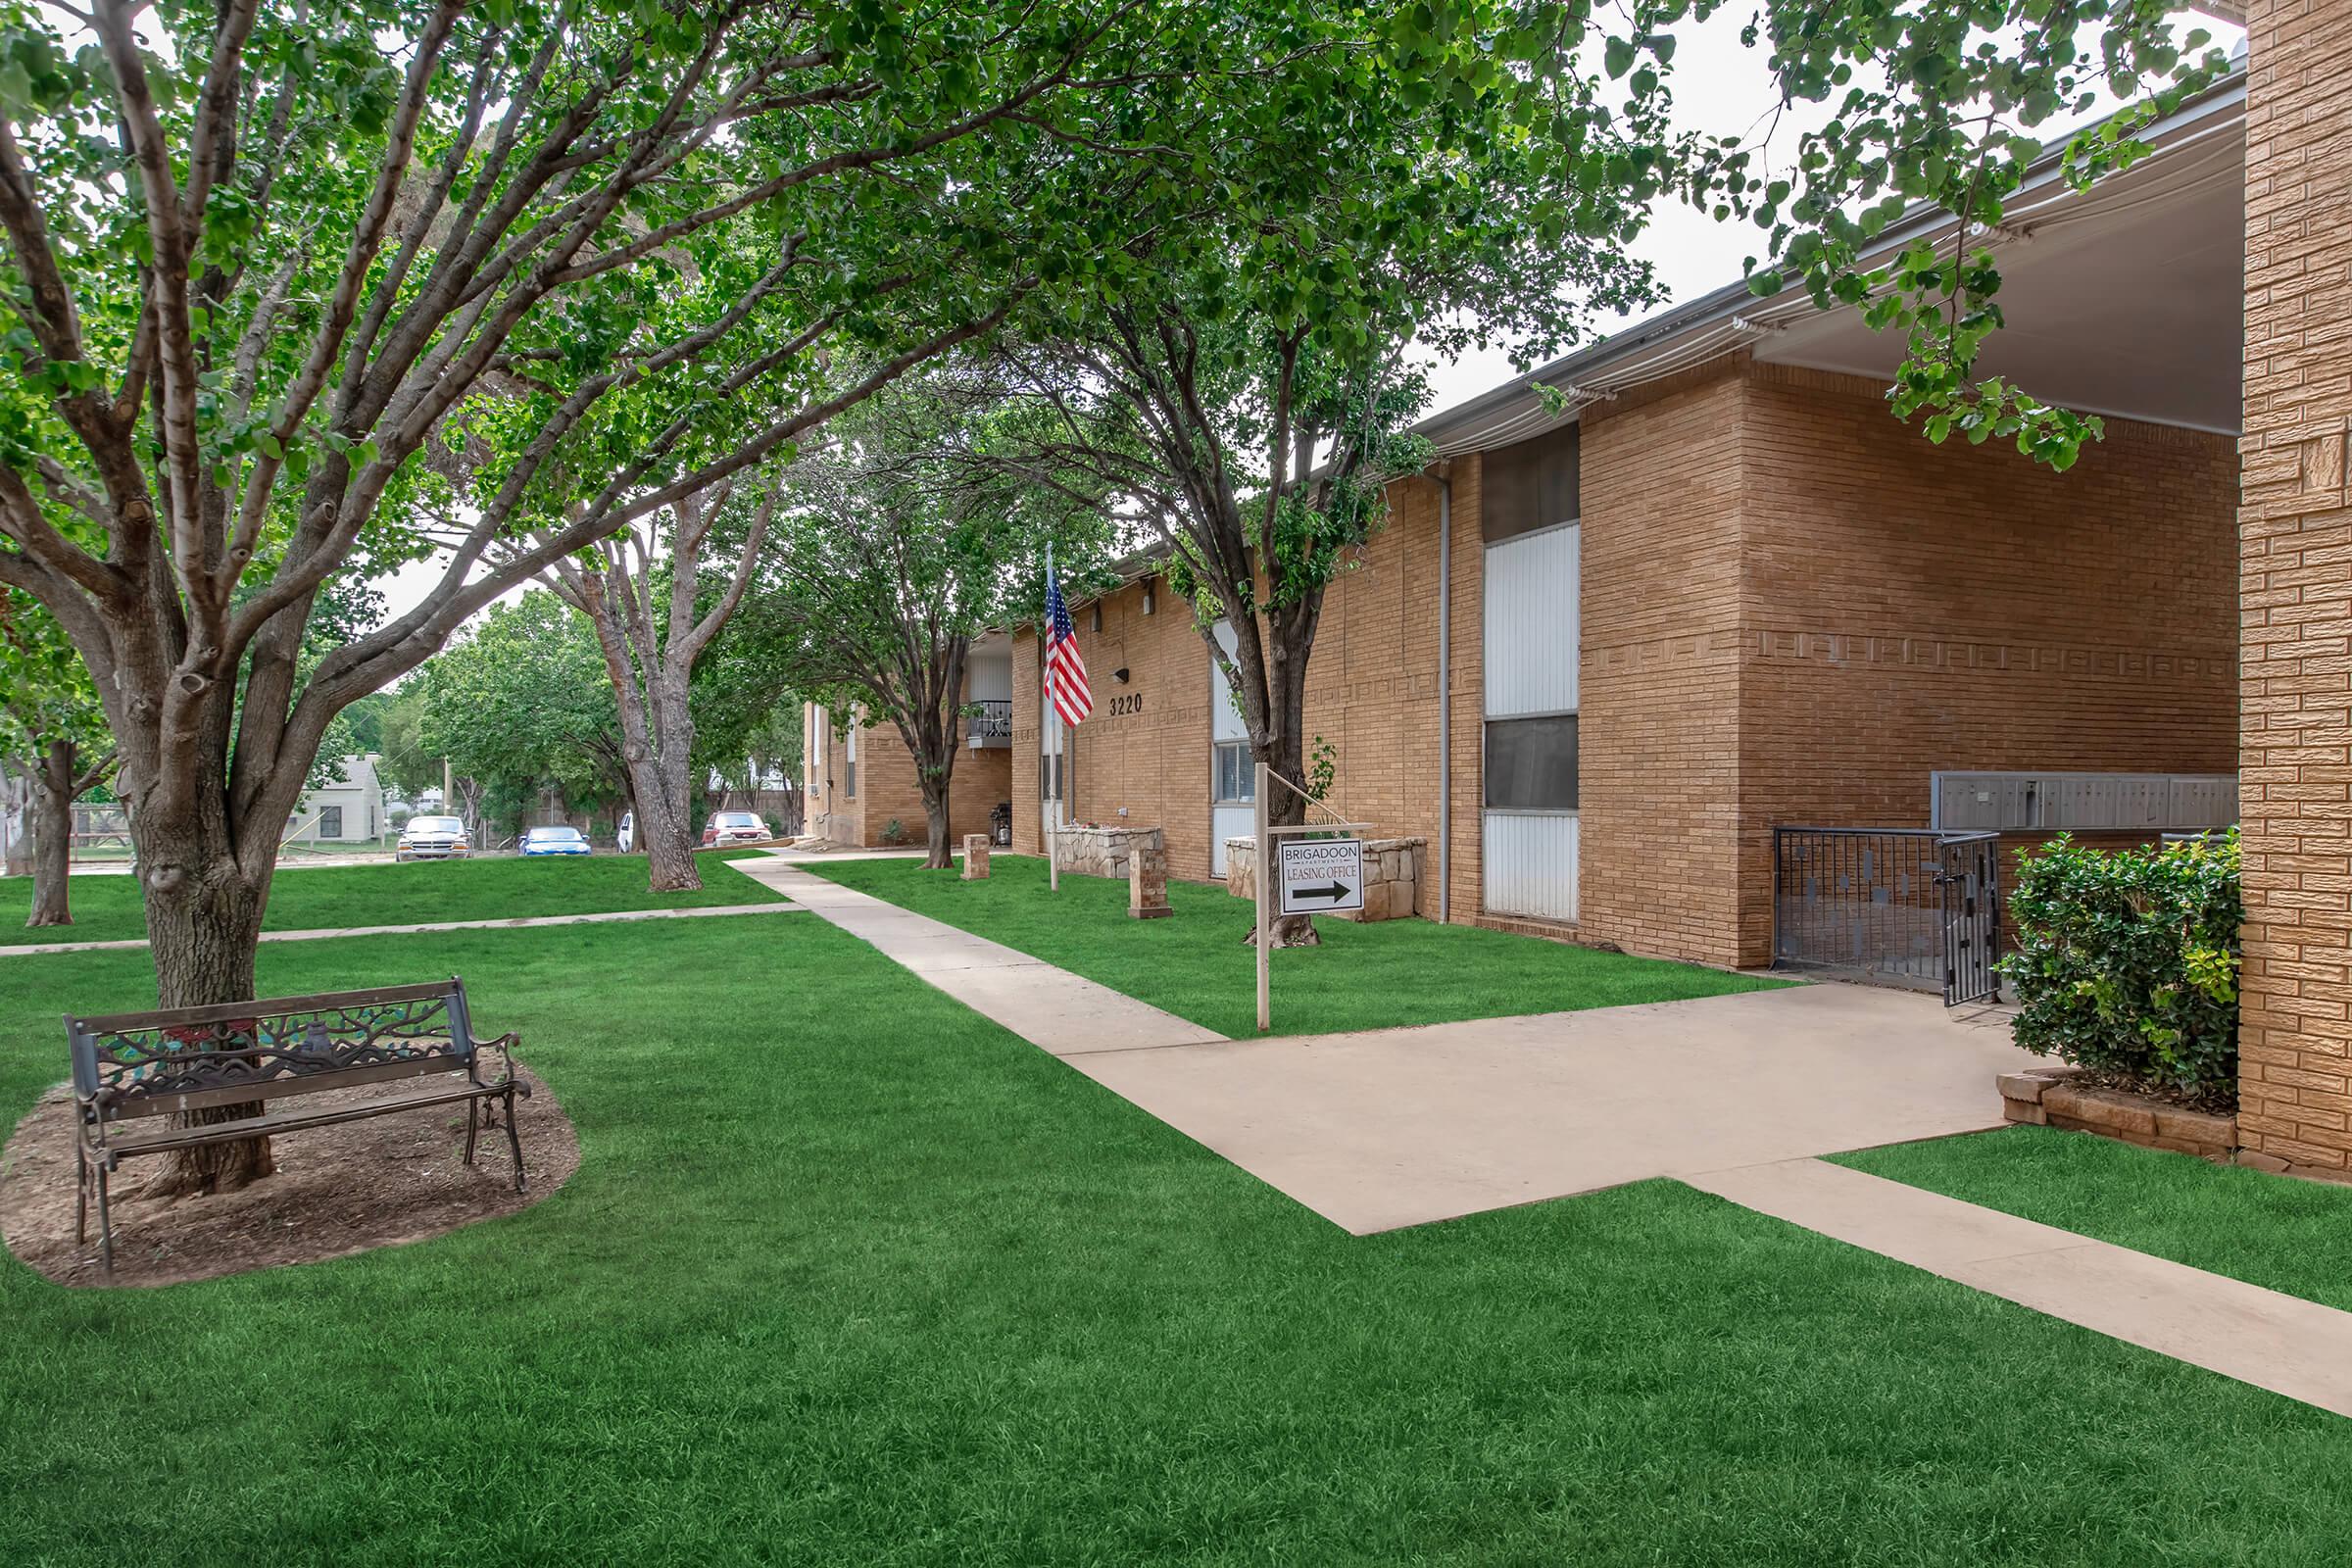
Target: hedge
2128 959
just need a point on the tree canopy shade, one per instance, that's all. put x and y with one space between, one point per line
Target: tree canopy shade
293 290
1943 102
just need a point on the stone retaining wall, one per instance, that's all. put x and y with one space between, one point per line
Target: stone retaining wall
2047 1097
1394 873
1101 850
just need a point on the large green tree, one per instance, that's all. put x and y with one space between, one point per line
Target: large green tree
642 591
900 542
259 258
1949 103
263 263
1452 184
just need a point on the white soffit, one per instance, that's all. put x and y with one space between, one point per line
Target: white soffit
2126 300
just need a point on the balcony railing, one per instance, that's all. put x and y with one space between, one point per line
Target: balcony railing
992 725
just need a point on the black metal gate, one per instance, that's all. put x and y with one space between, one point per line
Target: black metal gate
1970 880
1907 906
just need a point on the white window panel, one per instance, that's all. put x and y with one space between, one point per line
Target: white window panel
1533 623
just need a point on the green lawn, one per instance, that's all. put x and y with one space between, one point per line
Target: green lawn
850 1276
315 898
2292 1236
1195 964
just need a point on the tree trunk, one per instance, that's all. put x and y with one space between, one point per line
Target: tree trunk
1283 749
669 845
53 836
935 824
664 779
204 922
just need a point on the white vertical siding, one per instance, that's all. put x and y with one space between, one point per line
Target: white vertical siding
1533 622
1532 626
1530 863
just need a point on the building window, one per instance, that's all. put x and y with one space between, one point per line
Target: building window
1052 778
1095 619
1534 484
1149 602
848 772
1237 776
331 821
1531 764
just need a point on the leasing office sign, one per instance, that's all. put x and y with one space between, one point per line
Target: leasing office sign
1320 876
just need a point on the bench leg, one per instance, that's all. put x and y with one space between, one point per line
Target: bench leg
472 1115
106 1224
81 1195
523 1181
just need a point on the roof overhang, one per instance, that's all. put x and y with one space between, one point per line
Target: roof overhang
2126 299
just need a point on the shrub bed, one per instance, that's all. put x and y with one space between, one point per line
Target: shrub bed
2126 963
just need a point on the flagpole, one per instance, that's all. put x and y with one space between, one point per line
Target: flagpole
1049 804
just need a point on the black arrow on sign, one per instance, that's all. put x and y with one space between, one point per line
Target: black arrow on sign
1334 891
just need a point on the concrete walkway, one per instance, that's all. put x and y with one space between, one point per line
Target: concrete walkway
1394 1127
1730 1094
438 925
1054 1010
2281 1342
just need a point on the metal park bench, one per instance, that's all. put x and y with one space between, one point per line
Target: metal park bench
131 1070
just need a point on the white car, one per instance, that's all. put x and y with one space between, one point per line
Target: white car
627 836
434 838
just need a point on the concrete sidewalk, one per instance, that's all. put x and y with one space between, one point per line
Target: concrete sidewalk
322 934
1054 1010
1394 1127
2281 1342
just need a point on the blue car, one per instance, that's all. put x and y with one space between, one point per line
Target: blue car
552 841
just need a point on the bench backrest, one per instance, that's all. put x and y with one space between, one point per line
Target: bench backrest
187 1058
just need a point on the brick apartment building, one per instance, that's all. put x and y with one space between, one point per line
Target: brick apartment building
1727 592
863 779
1596 657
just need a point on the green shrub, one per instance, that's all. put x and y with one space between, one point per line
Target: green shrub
2126 961
893 832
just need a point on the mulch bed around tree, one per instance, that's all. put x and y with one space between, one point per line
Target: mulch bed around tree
338 1189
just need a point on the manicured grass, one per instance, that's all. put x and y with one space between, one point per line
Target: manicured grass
1195 964
2292 1236
850 1276
319 898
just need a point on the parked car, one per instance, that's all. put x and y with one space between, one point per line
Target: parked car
734 827
432 838
552 841
627 836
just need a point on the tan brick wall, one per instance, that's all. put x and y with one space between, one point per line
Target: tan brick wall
2295 536
1372 693
888 788
1908 607
1659 733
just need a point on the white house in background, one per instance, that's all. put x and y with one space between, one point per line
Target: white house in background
349 809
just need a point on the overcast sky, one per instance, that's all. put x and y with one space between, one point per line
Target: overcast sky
1720 88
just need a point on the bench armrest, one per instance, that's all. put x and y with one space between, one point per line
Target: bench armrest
505 1046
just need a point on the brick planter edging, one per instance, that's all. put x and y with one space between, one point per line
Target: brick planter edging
2047 1097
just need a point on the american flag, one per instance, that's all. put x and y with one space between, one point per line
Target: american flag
1065 671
